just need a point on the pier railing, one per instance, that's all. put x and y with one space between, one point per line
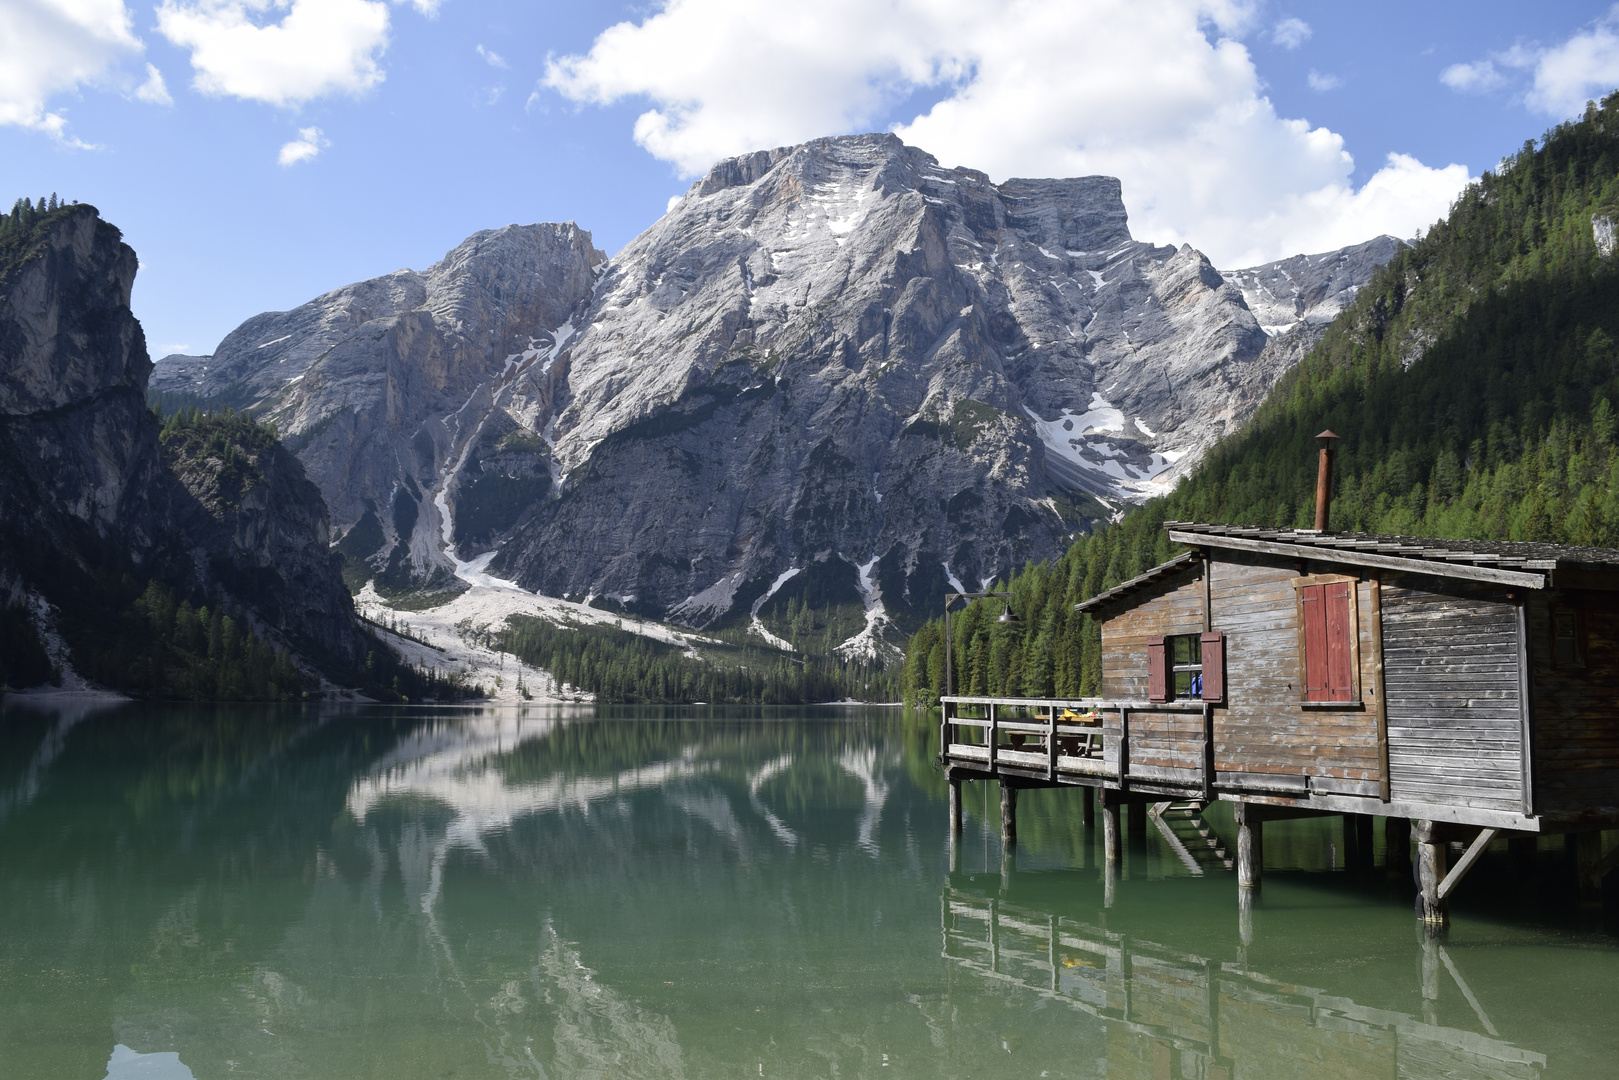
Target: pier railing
1162 744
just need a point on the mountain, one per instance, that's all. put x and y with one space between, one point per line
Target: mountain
833 378
119 539
1474 381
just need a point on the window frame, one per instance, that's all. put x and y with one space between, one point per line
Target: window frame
1356 690
1556 612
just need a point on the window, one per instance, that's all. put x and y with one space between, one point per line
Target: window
1186 667
1568 641
1327 639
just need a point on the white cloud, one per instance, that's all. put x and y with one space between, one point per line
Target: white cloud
492 58
1477 77
309 143
426 7
316 47
1155 92
1290 33
48 47
1584 67
1562 78
1321 82
153 91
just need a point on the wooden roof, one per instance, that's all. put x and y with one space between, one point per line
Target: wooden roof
1500 562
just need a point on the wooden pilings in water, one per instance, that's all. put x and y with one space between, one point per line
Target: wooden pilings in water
1250 845
1431 858
1110 801
1397 847
1008 815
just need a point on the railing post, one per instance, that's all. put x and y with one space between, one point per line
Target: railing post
1051 746
1124 748
994 737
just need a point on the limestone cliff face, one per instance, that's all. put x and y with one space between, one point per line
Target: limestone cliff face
84 481
836 371
380 387
80 449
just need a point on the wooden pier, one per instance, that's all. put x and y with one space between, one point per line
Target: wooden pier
1463 691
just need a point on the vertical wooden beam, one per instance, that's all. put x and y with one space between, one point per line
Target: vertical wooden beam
1087 807
1136 826
1430 872
1051 746
1250 846
1008 815
1397 847
1364 842
1245 916
1110 827
1588 862
955 809
994 734
1374 618
1526 707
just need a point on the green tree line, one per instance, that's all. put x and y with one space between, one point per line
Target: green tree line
1473 381
625 667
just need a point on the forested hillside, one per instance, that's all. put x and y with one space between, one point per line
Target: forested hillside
1473 382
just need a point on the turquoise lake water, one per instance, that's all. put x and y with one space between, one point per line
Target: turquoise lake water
403 893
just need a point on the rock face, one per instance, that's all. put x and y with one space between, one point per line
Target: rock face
381 386
835 373
84 480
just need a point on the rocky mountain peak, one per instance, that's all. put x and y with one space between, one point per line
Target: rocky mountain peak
835 376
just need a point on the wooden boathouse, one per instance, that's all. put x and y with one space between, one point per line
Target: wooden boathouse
1468 688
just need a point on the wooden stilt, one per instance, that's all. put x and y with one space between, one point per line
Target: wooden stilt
1245 917
1008 814
1087 807
1430 978
1110 876
1110 828
955 808
1397 847
1431 854
1588 862
1250 846
1364 842
1137 827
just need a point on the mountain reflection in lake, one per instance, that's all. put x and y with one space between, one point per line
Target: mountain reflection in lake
408 893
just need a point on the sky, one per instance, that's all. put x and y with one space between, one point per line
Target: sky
257 153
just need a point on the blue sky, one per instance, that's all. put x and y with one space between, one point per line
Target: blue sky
287 147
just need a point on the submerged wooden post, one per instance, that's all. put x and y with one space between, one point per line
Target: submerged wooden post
1250 846
1430 872
1110 827
1588 862
1008 814
1397 847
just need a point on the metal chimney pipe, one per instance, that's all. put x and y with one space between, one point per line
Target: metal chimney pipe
1323 479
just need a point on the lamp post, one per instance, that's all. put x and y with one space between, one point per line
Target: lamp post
1005 616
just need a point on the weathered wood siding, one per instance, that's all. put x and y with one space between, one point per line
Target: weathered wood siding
1157 741
1264 728
1450 660
1576 710
1173 606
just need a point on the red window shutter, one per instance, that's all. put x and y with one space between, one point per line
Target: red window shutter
1340 654
1213 666
1157 670
1312 609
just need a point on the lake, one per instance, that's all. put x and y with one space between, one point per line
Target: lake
408 892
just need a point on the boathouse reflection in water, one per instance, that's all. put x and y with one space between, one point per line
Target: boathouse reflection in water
1170 1015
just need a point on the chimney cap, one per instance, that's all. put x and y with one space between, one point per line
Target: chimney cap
1326 435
